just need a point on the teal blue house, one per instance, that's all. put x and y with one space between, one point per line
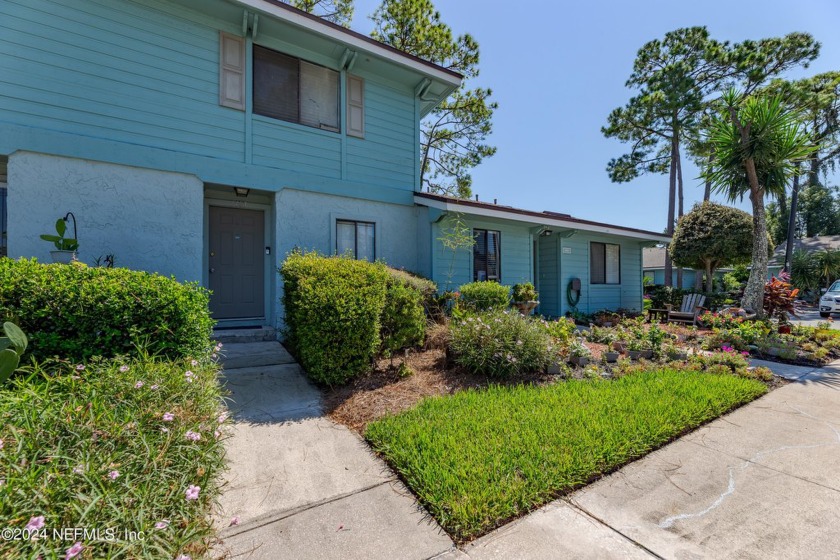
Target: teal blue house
574 263
205 139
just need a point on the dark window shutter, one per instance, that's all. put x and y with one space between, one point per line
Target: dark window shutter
480 255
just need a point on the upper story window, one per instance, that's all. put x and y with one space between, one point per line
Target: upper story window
604 263
486 255
293 90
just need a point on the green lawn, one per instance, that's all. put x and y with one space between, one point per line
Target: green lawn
110 446
481 457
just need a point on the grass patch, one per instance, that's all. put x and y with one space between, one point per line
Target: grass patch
481 457
92 448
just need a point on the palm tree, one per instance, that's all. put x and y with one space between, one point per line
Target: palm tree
757 142
828 265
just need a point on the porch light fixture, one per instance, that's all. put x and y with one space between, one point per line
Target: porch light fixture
241 192
545 233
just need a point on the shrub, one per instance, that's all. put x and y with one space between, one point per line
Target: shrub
500 344
561 329
524 291
65 430
403 320
426 288
483 296
333 308
76 312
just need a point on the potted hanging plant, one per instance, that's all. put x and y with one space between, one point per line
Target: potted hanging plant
524 297
65 247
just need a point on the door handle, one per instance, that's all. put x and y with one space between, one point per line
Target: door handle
212 270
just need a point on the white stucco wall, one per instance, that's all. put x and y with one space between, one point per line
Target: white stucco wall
307 220
150 220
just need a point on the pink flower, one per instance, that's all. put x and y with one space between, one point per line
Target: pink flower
182 557
113 475
189 375
123 369
217 434
163 524
192 436
192 492
35 523
168 417
234 521
193 363
154 387
80 367
74 551
138 384
1 444
165 430
222 417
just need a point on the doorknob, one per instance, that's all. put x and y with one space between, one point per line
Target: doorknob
212 270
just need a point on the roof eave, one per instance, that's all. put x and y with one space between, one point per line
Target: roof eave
352 39
536 218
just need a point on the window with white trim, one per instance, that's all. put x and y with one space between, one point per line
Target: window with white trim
294 90
604 263
355 238
487 255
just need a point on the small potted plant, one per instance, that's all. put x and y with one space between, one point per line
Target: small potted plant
65 246
674 352
636 348
524 297
579 354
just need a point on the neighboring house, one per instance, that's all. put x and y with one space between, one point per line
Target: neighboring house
653 266
547 248
808 244
205 139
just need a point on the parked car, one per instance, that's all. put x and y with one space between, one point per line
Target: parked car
830 300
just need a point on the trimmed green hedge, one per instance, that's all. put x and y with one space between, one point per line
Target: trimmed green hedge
76 312
484 296
341 313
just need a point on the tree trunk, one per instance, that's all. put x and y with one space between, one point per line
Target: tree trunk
707 192
707 287
791 233
753 299
672 193
698 280
680 202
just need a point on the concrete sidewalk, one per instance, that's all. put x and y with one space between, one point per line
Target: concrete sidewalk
761 482
301 485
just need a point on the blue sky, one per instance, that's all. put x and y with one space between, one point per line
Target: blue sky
558 68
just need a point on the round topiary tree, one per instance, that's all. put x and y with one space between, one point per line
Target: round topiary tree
711 236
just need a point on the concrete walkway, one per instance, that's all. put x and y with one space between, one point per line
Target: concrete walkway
761 482
302 486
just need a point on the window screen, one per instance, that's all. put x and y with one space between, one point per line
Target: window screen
294 90
486 255
604 263
357 239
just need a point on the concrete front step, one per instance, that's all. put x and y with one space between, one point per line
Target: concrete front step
261 334
236 355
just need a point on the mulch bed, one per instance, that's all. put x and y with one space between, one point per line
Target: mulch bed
383 391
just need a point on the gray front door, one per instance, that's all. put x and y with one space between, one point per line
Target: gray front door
237 263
